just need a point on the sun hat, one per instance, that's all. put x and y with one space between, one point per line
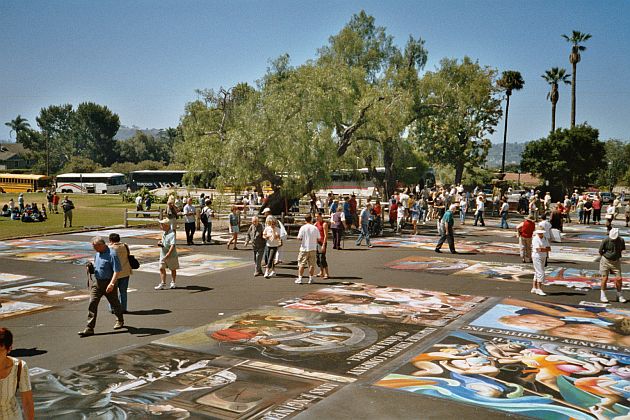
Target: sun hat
537 231
164 221
614 233
267 209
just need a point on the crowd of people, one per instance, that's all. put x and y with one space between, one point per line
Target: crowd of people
31 212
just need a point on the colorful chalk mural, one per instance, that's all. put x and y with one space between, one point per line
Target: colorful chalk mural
12 308
196 264
337 344
154 381
579 278
544 380
45 292
593 326
54 250
407 306
7 278
472 268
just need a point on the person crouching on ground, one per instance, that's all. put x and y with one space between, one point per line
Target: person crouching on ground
540 252
610 249
106 270
168 254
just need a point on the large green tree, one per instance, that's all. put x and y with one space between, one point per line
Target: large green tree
54 144
617 158
142 146
567 158
17 125
95 127
576 39
555 76
510 81
460 109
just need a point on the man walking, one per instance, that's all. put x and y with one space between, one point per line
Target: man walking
610 249
168 255
106 270
189 221
481 204
309 235
254 235
448 221
122 251
364 224
322 245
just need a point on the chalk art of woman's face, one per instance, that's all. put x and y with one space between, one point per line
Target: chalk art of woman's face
534 322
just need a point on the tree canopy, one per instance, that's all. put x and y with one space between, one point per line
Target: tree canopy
567 157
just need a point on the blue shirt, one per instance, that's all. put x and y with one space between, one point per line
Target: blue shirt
105 264
346 209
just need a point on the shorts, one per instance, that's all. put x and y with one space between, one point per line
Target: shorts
307 258
235 229
170 263
607 267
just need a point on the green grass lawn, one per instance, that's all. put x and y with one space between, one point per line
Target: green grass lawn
90 210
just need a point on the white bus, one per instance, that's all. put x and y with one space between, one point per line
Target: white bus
94 183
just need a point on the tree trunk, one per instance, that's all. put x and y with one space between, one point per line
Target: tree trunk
553 117
573 77
459 172
507 110
388 161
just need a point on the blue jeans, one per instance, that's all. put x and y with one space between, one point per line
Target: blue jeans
504 223
122 285
365 233
207 232
462 214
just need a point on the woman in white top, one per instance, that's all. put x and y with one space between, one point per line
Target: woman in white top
540 252
272 235
10 384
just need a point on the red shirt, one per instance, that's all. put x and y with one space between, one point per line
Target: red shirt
377 209
528 228
320 227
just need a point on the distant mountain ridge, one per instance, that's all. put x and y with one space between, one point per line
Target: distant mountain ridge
125 132
513 153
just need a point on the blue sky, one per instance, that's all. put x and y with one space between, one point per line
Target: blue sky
144 59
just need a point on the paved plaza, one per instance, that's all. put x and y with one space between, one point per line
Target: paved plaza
397 332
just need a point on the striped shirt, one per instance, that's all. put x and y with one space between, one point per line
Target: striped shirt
8 402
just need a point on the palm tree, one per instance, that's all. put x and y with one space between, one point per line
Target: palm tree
510 80
554 76
576 39
17 125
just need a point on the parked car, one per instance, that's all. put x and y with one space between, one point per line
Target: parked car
607 197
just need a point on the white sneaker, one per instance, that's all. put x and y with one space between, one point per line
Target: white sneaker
539 292
533 291
273 273
298 280
173 285
603 299
621 299
310 280
160 286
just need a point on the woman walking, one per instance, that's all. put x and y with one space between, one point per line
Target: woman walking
13 378
272 235
235 226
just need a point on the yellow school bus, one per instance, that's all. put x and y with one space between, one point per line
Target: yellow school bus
11 183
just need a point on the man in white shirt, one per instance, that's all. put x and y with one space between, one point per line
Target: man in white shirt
189 221
139 203
309 235
481 204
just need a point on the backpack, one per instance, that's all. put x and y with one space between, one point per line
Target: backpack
133 261
204 217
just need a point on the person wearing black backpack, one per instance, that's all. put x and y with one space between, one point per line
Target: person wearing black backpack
122 250
206 220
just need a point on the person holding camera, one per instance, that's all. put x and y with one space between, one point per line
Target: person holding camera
106 270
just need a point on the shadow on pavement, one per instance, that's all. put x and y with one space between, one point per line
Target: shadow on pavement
27 352
195 289
145 332
149 312
565 294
